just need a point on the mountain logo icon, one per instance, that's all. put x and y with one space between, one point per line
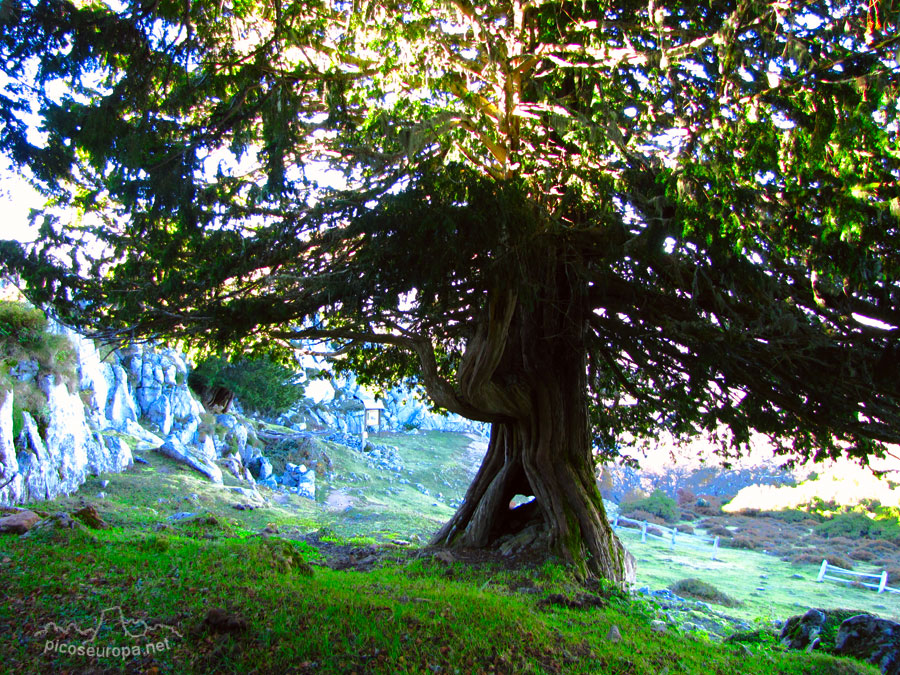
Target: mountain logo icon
112 619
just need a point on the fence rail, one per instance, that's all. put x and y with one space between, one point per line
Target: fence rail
670 534
882 578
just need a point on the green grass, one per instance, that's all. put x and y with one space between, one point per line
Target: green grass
410 616
765 586
381 504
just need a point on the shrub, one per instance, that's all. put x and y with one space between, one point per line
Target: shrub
745 542
710 522
261 385
21 324
657 504
850 525
687 529
719 531
839 561
893 576
804 558
630 526
701 590
23 335
862 554
649 517
685 497
882 545
790 516
709 505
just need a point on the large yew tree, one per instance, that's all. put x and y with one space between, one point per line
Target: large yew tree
582 222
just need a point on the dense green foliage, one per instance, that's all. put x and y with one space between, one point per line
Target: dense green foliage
658 503
21 325
717 183
260 384
874 522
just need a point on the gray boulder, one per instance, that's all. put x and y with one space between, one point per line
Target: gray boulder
260 467
160 413
173 448
872 639
9 463
301 480
236 438
120 408
801 631
25 371
269 482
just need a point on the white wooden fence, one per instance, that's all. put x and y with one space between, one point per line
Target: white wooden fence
882 578
669 534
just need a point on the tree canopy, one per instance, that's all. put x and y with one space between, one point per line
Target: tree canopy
686 212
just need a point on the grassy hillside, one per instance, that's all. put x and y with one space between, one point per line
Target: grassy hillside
767 587
260 590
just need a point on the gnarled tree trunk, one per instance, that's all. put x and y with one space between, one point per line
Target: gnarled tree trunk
542 447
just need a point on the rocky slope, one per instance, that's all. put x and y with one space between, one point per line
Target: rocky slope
136 400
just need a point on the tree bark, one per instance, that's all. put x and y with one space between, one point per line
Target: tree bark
543 449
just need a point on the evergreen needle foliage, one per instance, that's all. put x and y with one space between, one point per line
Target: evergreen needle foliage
580 222
260 384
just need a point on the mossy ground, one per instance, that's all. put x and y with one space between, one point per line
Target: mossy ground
408 616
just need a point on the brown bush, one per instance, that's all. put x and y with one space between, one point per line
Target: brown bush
630 526
815 557
805 558
714 508
687 515
649 517
787 533
893 576
839 561
719 531
654 531
749 543
881 545
687 529
685 497
817 542
701 590
862 554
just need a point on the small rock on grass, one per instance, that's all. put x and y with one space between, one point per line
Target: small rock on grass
614 635
659 626
89 516
445 556
20 522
